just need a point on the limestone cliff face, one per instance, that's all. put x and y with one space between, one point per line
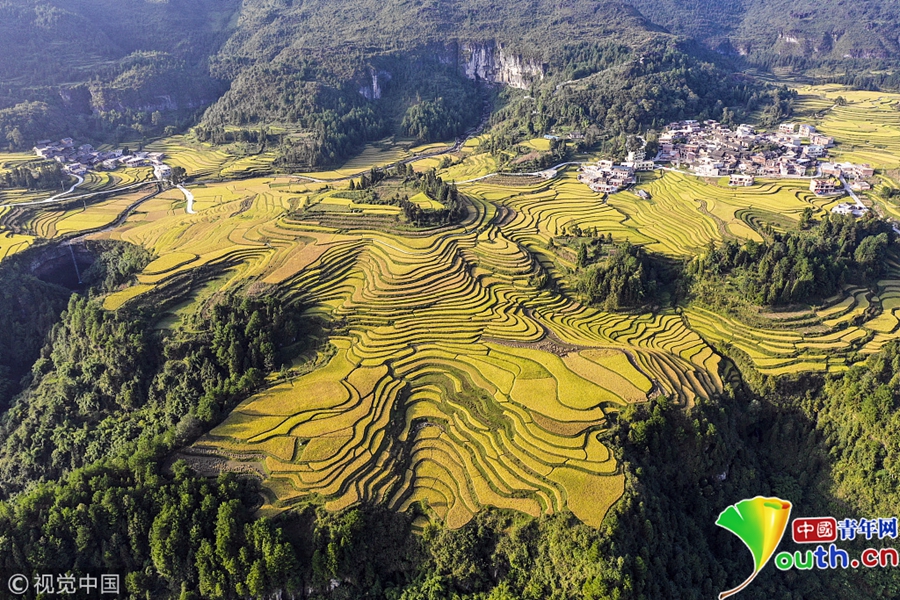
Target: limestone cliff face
492 63
838 43
488 61
373 90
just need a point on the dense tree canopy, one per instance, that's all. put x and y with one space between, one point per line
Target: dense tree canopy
105 381
626 278
797 266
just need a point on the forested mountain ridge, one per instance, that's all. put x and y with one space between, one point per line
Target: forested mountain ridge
329 76
801 32
534 26
48 42
88 68
337 79
342 72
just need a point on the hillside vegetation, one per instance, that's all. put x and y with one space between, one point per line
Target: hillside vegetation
99 68
313 82
331 79
807 33
425 384
431 373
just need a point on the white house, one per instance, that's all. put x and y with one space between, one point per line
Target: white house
814 151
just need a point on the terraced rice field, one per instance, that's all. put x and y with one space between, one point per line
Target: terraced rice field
199 160
456 384
552 208
76 216
685 213
330 203
11 160
249 166
475 165
426 202
452 381
66 216
867 127
10 242
14 196
378 154
430 148
101 181
539 144
820 339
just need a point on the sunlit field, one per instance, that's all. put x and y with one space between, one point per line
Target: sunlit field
453 381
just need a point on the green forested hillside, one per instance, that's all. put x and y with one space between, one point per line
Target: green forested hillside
86 68
315 80
355 363
532 25
177 535
804 266
335 74
105 382
804 32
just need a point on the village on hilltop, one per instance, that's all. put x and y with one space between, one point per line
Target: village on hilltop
710 149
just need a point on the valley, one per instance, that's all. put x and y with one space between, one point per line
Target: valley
459 369
449 299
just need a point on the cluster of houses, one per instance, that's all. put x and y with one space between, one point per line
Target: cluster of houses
78 160
607 177
830 177
710 149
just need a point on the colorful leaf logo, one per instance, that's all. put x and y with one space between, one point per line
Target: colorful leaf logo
760 523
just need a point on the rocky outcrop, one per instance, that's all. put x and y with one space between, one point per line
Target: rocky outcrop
492 63
489 62
373 90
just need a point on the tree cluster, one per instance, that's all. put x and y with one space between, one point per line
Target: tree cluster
43 175
439 119
454 206
116 265
105 381
170 535
626 278
796 266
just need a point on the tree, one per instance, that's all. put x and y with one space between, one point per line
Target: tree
15 138
806 217
582 255
870 254
179 175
